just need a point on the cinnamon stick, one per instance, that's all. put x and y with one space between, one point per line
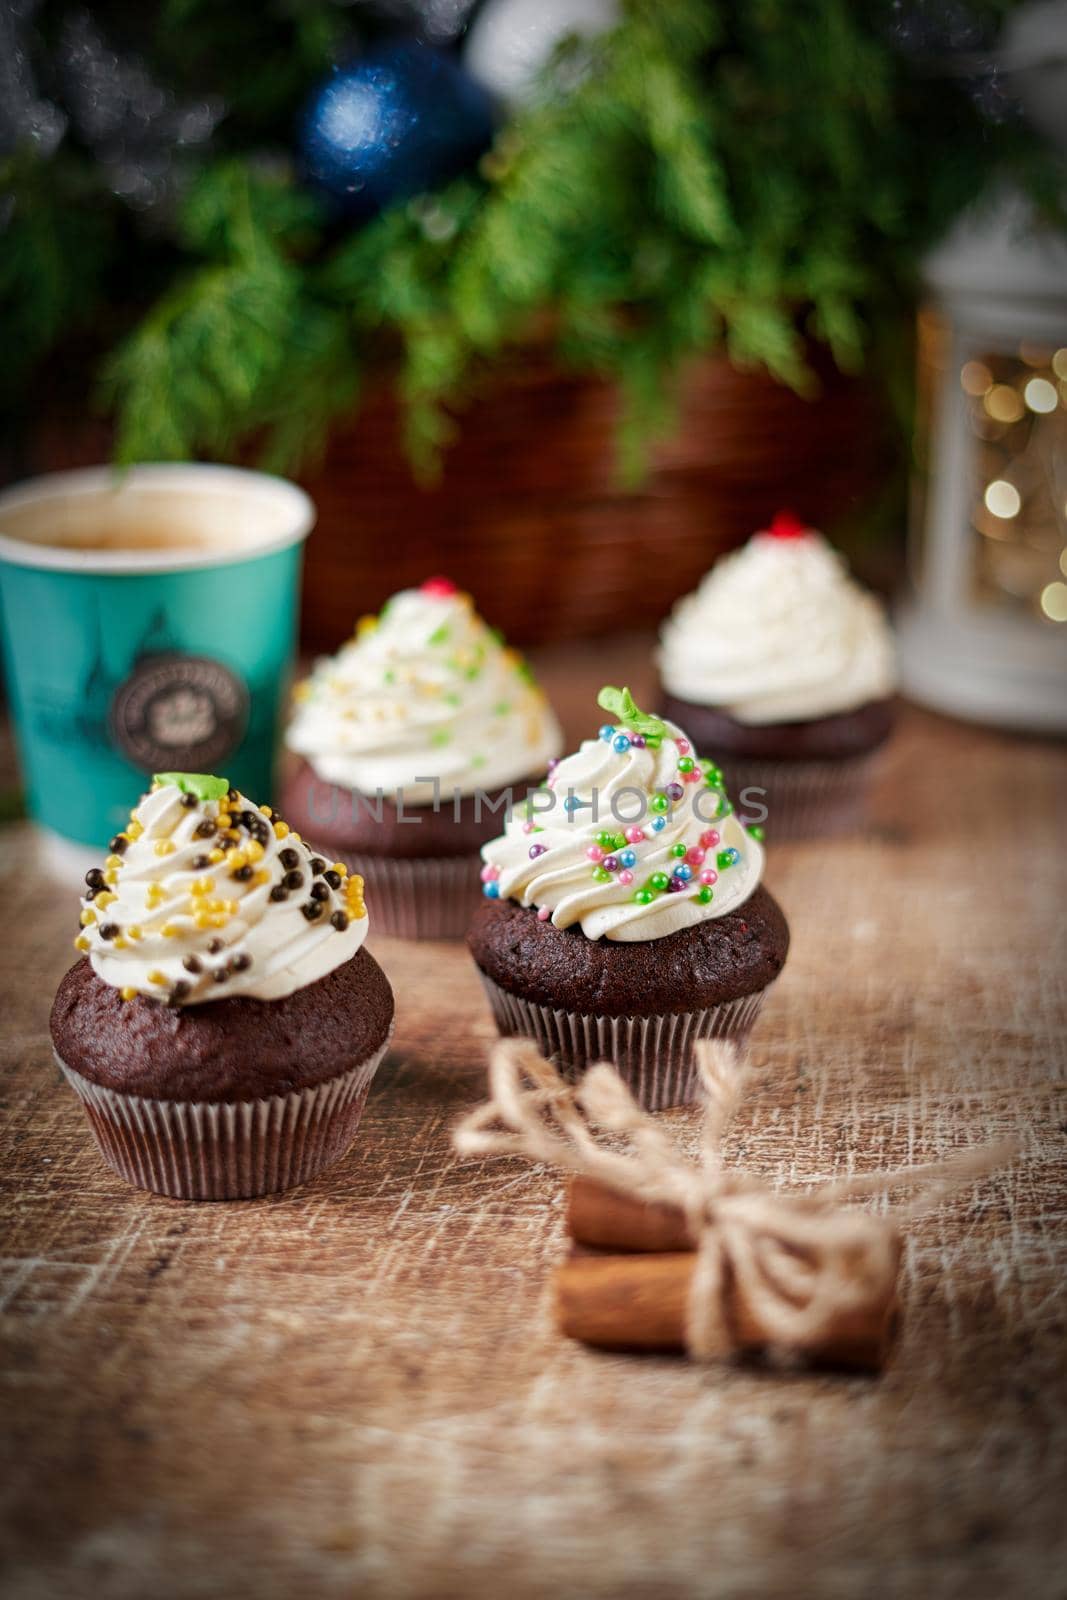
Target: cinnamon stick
641 1302
606 1219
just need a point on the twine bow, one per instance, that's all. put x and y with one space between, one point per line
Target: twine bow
804 1268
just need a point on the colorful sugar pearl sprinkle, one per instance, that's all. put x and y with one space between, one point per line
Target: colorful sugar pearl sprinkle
615 854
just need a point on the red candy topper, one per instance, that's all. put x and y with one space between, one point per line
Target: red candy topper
787 525
439 588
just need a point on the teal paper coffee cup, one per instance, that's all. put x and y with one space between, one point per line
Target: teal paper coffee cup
149 625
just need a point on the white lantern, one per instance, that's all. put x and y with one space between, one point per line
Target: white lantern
984 634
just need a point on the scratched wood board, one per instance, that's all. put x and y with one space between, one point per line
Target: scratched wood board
356 1388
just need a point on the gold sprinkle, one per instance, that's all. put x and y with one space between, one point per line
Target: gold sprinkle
261 877
112 861
340 868
253 851
237 858
119 943
106 899
219 921
87 918
134 932
216 856
82 943
111 876
155 976
202 919
170 930
266 811
128 993
164 847
281 829
201 886
134 829
294 836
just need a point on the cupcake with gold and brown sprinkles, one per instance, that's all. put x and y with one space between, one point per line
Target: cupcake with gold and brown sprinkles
224 1023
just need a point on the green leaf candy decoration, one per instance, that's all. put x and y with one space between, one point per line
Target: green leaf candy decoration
200 784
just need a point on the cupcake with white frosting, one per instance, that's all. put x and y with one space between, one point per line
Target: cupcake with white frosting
224 1023
411 743
624 914
783 667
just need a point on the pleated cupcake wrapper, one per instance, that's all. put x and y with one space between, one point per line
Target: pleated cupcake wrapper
653 1055
431 899
804 799
230 1150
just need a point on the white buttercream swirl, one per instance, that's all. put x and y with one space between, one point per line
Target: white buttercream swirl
172 927
779 632
425 695
561 880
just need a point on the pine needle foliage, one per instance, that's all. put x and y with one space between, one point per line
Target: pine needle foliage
743 176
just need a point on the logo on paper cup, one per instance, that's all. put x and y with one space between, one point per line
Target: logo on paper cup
178 712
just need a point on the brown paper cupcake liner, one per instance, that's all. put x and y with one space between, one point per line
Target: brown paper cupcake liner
653 1055
431 899
804 799
230 1150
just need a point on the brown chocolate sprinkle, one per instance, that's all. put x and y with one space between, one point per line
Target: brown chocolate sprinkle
200 862
118 844
233 797
312 909
319 891
109 930
192 964
317 865
241 874
204 829
288 857
179 991
188 801
333 878
240 962
95 878
294 880
220 974
215 946
339 921
279 892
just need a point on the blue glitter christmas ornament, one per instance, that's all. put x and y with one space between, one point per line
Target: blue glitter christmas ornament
403 118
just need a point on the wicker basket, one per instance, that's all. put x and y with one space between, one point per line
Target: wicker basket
529 516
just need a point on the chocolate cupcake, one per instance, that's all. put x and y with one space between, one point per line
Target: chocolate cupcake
410 744
624 916
224 1025
783 667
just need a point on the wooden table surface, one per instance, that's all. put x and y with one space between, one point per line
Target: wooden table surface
355 1388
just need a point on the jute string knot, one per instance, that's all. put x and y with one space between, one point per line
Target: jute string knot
804 1265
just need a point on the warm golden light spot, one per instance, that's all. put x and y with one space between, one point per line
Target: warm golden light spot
1002 498
1003 404
976 378
1054 601
1040 395
1059 363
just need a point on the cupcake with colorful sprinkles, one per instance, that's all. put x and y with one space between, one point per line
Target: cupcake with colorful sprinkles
624 915
783 666
223 1024
411 743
